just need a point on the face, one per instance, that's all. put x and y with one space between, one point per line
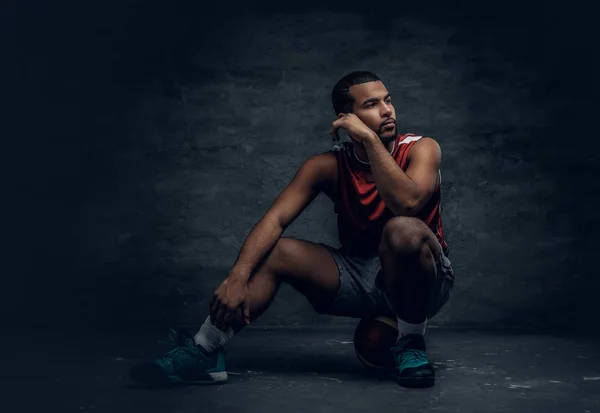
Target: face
373 105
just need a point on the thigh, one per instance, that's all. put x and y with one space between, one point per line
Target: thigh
308 267
358 295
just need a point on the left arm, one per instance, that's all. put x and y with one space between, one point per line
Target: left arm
405 193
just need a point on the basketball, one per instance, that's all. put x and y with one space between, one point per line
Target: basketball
373 338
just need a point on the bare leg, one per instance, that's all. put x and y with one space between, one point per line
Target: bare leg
408 252
306 266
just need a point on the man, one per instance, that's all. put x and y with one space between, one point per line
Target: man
393 258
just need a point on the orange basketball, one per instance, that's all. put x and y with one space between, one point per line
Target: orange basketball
373 339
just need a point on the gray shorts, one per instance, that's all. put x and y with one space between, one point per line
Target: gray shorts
361 293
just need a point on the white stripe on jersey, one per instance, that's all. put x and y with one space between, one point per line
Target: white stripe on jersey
409 139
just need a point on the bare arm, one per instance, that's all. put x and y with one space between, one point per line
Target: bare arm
405 193
309 181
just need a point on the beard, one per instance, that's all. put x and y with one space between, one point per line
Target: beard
385 137
388 136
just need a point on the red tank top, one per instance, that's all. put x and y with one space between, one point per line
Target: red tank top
361 214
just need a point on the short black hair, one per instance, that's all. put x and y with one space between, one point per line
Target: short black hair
340 96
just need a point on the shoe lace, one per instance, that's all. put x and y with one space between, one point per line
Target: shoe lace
175 340
412 356
409 356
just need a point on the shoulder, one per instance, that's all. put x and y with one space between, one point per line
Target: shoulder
425 147
322 161
328 163
323 166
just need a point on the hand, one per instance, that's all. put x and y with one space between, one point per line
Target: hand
229 303
355 127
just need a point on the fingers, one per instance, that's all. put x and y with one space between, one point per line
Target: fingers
219 318
246 314
213 308
225 316
239 318
334 133
336 125
229 317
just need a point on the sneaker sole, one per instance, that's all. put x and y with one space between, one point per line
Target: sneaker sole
152 374
416 383
215 378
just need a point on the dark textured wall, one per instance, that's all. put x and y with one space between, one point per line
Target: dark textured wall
152 137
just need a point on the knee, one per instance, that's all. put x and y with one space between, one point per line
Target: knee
281 253
403 236
284 247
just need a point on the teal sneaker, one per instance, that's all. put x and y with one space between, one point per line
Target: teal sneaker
185 364
412 366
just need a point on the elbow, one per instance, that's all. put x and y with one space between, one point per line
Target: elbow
407 208
413 207
409 204
276 220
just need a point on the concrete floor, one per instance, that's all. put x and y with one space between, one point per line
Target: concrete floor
304 370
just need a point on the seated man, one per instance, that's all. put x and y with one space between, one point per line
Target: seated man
393 258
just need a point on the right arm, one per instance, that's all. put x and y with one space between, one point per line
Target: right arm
309 181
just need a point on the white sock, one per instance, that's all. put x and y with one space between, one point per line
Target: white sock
405 328
209 337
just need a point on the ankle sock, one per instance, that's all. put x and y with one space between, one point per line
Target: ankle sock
405 328
210 338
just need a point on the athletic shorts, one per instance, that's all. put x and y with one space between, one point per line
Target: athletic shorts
361 292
